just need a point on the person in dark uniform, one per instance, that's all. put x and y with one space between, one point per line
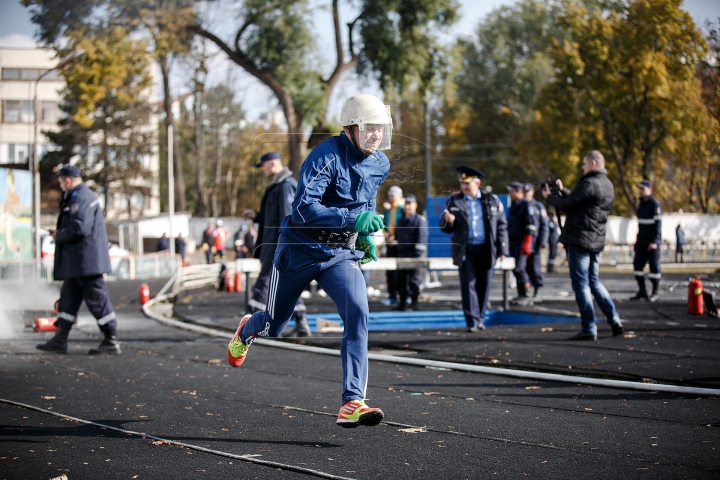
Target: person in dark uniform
680 243
522 232
553 236
393 214
540 219
649 239
276 204
81 259
244 242
332 213
411 234
162 243
180 247
477 221
207 241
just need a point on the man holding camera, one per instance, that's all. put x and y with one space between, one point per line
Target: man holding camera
586 211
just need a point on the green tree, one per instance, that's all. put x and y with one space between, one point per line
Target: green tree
624 83
108 125
275 43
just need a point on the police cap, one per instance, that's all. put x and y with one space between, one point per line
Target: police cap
68 171
515 186
645 183
267 157
528 187
410 198
469 173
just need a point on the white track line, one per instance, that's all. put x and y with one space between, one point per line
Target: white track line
264 463
461 367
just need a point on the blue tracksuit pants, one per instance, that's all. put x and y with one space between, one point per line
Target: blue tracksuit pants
340 276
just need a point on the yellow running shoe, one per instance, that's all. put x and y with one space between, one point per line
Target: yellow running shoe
236 348
355 413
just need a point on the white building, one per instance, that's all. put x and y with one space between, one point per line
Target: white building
20 69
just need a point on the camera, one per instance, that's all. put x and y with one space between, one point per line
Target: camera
551 182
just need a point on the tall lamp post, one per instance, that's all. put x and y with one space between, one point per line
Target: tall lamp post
35 160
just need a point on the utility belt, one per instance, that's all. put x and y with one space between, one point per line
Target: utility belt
327 237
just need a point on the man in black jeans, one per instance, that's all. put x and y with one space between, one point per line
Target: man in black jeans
586 211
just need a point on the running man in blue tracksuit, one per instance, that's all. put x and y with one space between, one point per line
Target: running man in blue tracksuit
333 210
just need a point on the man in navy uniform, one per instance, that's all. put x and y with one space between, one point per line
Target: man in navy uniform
81 259
276 204
540 220
162 243
411 234
649 239
333 211
477 221
522 232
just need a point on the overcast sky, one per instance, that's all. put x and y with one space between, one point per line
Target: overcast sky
16 30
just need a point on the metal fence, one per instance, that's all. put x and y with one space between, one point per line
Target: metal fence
127 268
623 255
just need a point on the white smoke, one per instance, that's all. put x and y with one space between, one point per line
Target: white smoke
14 299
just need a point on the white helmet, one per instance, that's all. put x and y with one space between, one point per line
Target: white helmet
363 110
219 223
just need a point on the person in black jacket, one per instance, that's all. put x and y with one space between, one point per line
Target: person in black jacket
522 230
552 241
162 243
477 221
180 247
81 259
586 211
540 220
276 204
411 234
649 239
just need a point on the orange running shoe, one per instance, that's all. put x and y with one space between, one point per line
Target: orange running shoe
236 348
355 413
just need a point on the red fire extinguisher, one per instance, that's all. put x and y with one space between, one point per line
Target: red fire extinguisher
144 293
229 282
45 324
238 282
696 305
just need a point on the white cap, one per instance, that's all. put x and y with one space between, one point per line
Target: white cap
219 223
395 190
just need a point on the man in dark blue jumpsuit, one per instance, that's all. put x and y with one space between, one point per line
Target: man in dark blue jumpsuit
647 247
522 232
411 234
276 204
540 220
81 259
477 221
333 209
553 237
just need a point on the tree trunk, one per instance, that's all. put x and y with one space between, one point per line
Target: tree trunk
177 164
218 173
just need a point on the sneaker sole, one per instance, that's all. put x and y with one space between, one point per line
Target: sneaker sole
233 361
369 419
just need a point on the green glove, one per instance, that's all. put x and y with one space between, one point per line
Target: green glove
366 243
368 222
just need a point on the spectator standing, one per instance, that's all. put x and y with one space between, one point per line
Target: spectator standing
276 204
586 211
244 242
522 232
411 234
552 241
180 247
393 214
540 220
162 243
477 222
649 239
208 241
220 236
81 259
679 243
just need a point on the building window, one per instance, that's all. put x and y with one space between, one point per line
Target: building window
11 74
29 74
50 112
18 111
14 153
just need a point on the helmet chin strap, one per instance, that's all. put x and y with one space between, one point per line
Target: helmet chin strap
353 141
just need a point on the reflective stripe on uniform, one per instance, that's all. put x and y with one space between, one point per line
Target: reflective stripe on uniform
655 275
421 247
106 319
639 273
258 305
646 221
532 228
67 316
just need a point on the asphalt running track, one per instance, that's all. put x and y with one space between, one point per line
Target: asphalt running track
274 417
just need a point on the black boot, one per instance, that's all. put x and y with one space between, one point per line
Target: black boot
642 292
414 304
402 304
57 344
108 345
302 328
